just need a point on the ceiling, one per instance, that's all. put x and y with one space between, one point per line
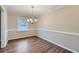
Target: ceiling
26 10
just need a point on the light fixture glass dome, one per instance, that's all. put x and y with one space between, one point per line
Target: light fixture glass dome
28 20
35 20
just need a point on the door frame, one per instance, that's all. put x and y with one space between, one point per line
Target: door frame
4 27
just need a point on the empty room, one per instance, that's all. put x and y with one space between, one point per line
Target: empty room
39 28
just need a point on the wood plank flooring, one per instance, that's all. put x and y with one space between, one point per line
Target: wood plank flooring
32 45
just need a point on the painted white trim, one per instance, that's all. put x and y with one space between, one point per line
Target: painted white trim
58 44
63 32
4 27
20 37
9 30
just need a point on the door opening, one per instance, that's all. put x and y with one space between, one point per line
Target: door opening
0 27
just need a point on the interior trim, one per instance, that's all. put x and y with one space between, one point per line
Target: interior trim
11 30
22 38
63 32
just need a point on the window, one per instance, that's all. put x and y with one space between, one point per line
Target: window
22 24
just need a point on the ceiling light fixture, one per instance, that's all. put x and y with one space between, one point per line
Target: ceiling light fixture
32 19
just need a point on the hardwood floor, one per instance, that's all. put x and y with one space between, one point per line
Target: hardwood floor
32 45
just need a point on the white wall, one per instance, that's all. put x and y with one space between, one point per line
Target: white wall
61 27
58 27
12 28
4 32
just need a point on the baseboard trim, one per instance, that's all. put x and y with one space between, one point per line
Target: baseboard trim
58 45
22 38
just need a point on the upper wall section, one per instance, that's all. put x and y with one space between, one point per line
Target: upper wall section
64 19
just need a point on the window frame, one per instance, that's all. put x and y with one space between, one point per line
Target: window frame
18 24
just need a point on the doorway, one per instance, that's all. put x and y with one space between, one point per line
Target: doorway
0 27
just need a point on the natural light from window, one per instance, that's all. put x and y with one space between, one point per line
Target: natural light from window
22 24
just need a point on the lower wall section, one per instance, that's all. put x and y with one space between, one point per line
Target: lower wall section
67 41
15 34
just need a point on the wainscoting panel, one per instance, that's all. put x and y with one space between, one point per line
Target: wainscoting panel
67 41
